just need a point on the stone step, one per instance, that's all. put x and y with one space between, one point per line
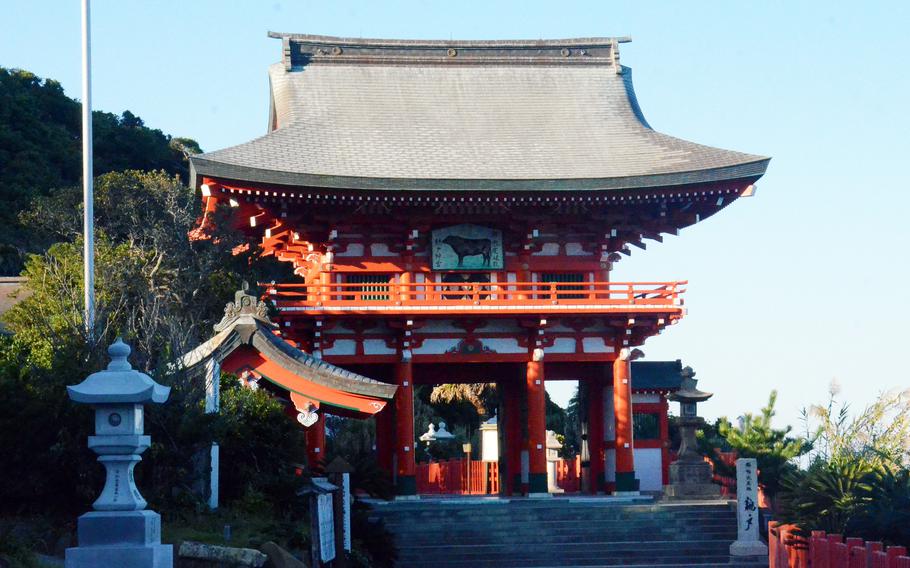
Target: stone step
675 533
409 541
520 524
574 550
714 519
604 563
393 519
675 561
551 533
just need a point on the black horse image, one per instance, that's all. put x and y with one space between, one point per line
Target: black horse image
469 247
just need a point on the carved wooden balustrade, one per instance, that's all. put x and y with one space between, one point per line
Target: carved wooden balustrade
448 297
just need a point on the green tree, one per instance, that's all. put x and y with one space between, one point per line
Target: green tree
155 286
773 449
40 152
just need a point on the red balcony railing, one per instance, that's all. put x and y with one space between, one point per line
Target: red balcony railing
469 296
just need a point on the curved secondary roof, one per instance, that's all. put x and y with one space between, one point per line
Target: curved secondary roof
244 341
379 114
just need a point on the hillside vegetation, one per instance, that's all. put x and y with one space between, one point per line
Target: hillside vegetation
41 152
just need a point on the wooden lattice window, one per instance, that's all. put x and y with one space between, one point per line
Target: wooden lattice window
376 284
565 281
645 426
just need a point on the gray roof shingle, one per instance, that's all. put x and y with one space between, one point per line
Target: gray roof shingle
507 115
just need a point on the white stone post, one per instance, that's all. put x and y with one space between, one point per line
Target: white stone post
748 542
213 405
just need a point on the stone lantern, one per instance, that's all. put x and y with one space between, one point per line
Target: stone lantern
119 532
690 475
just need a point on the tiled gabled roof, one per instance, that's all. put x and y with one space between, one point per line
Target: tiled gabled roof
657 375
245 323
449 115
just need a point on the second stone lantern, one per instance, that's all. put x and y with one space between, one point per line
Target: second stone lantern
690 475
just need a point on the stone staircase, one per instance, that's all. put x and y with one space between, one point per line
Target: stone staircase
560 532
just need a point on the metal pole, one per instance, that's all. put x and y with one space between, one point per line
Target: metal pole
87 180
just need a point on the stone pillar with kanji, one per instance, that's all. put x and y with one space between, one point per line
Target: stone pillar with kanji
748 542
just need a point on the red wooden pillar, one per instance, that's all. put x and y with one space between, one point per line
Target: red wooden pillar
596 434
315 442
385 438
511 440
406 484
622 407
537 426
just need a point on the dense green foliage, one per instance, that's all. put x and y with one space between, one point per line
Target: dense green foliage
40 152
857 481
773 449
162 292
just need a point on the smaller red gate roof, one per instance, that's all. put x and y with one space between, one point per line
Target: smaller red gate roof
245 341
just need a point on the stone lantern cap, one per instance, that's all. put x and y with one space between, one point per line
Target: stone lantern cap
553 441
119 383
688 391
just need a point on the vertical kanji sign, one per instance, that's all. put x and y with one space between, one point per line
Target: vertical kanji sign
748 540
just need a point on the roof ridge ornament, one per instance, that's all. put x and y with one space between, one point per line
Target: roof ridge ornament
614 53
244 304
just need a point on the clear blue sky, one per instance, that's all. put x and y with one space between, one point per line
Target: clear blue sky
806 282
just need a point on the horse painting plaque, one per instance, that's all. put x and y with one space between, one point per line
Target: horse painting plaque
467 247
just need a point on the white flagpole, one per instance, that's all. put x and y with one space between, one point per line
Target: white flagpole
87 181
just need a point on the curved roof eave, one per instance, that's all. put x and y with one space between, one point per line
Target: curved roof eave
293 360
210 168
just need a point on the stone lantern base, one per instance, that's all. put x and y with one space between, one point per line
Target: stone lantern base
691 481
120 538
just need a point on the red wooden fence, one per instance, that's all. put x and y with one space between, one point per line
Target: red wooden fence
568 475
787 549
459 477
453 477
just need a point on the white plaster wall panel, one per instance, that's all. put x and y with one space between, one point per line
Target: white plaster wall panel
433 346
353 249
440 326
648 468
558 328
562 345
548 249
610 465
598 327
340 329
641 397
596 345
500 326
511 277
381 249
609 416
342 347
576 249
504 345
377 347
378 328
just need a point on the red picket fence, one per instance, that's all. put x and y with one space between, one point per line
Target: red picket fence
568 475
452 477
788 549
458 477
